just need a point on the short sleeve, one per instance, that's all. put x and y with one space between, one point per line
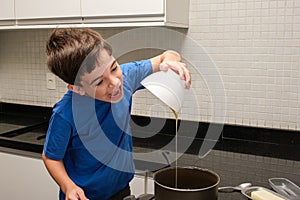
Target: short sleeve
57 138
135 72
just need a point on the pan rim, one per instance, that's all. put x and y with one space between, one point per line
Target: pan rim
190 168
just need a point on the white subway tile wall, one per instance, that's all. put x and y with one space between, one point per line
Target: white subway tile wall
254 47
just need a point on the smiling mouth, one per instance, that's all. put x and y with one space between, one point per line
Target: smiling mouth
116 94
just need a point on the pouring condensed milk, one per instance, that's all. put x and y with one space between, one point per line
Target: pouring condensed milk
170 89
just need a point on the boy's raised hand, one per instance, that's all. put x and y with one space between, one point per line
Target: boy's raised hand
178 67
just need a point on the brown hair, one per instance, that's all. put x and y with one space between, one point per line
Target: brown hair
71 52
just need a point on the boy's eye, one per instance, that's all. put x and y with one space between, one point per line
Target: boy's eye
114 68
99 83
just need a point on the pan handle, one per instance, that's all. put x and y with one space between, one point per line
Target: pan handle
226 189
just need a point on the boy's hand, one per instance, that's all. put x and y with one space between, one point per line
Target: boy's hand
75 193
178 67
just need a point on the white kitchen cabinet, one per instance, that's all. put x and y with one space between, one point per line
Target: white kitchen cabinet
45 11
7 12
95 13
137 186
120 8
154 12
25 178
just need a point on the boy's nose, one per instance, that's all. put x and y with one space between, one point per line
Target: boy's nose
113 82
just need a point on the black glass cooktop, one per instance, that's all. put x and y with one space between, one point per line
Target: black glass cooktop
21 131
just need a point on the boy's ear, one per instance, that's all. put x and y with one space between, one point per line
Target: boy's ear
77 89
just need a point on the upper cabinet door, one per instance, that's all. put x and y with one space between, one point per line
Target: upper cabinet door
38 9
93 13
94 8
7 10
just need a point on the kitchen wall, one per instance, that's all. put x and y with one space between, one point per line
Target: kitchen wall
252 47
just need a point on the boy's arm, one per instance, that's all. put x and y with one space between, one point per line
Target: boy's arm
58 172
171 59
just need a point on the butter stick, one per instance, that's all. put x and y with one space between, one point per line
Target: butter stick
264 195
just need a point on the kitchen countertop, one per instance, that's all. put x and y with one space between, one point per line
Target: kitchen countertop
233 168
235 161
236 168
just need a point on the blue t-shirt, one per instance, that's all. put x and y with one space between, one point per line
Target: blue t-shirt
93 137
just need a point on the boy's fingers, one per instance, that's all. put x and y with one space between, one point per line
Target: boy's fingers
82 196
163 67
187 78
180 68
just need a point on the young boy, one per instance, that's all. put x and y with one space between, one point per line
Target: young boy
88 148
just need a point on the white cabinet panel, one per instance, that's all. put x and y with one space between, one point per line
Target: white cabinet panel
35 9
7 9
122 8
93 13
25 178
7 12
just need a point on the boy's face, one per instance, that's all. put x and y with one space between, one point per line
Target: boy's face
105 82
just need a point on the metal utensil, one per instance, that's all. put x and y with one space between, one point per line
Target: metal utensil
285 187
234 188
131 197
146 196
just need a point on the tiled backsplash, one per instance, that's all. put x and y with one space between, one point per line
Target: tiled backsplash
254 47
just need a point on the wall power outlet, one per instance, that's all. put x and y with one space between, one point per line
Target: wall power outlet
51 83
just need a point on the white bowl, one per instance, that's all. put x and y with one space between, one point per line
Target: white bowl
167 86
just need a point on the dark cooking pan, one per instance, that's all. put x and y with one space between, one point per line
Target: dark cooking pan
192 184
